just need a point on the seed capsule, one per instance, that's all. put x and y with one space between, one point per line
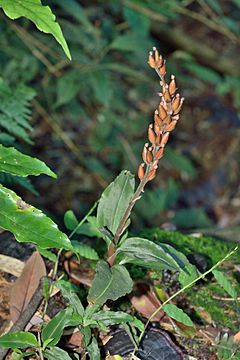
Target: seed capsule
144 153
162 112
151 134
162 69
164 139
149 156
152 173
166 94
141 171
171 126
158 139
159 153
151 60
172 86
176 102
179 107
157 119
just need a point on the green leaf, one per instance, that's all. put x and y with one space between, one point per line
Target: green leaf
175 313
29 224
14 162
84 250
70 220
110 318
87 333
102 87
56 353
225 283
19 339
54 329
189 274
114 201
93 350
204 73
146 253
47 254
109 283
69 294
40 15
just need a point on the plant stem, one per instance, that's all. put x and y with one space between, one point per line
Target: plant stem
40 347
131 204
182 290
84 219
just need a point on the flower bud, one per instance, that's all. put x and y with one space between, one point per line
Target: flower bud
172 86
152 173
171 126
144 153
164 139
149 156
141 171
151 134
159 153
162 69
176 103
162 112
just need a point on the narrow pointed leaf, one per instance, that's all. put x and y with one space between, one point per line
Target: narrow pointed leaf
29 224
54 329
225 283
114 201
146 253
109 283
178 314
14 162
19 340
40 15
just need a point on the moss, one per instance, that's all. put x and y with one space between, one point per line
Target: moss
223 313
213 248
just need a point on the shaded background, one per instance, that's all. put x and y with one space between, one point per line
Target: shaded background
88 118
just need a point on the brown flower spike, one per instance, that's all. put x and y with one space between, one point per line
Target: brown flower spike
165 119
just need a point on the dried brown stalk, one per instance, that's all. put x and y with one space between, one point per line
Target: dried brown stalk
166 117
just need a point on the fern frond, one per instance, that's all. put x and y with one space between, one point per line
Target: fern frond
15 111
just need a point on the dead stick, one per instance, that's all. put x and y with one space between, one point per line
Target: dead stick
26 315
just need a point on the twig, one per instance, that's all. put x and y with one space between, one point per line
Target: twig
26 315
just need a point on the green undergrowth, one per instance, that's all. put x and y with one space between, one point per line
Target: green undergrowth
213 248
208 296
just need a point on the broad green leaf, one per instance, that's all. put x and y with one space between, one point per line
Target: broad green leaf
175 313
189 274
69 294
70 220
29 224
93 350
146 253
114 201
54 329
225 283
191 218
14 162
109 283
84 250
110 318
204 73
19 340
39 14
56 353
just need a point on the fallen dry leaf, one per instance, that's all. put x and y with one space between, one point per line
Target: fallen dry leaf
145 301
26 285
237 337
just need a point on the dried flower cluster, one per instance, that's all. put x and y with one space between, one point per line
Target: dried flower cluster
165 119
